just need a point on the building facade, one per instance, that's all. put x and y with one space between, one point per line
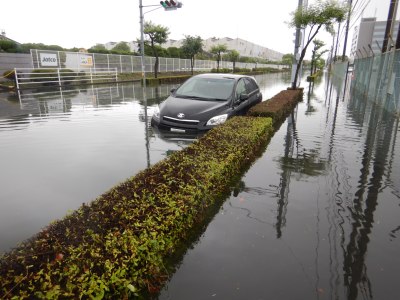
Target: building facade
368 37
245 48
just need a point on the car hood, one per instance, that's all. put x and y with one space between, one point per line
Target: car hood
192 109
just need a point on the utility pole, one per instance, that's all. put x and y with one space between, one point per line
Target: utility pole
297 43
347 30
389 25
337 42
398 38
142 43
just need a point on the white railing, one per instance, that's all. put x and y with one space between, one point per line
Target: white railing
30 77
129 63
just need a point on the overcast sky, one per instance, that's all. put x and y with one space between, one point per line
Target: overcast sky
77 23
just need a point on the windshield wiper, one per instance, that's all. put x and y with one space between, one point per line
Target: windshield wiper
217 99
199 98
191 97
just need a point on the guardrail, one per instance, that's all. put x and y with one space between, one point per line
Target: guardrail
31 78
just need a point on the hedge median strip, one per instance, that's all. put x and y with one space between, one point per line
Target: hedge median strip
279 106
116 246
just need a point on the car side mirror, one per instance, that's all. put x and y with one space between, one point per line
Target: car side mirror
244 97
172 90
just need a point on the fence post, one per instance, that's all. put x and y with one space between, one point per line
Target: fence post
108 62
16 77
59 78
94 60
91 75
37 59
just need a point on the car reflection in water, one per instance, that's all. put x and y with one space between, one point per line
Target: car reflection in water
205 101
177 138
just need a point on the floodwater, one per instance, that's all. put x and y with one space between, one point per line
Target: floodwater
62 148
316 217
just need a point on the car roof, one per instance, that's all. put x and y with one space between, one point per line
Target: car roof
222 75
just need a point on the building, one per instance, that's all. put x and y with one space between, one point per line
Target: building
245 48
368 37
133 45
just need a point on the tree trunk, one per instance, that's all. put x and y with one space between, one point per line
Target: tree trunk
156 67
303 53
156 56
192 63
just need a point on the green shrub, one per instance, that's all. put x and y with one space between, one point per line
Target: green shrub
116 246
278 107
221 70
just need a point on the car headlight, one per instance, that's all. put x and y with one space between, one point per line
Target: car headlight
217 120
156 113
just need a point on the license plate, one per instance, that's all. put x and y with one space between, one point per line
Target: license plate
177 130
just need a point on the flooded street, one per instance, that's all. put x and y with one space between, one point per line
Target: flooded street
316 217
62 148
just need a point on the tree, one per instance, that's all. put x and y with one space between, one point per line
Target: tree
287 60
218 50
174 52
233 56
318 44
321 14
121 48
191 46
156 34
9 46
98 48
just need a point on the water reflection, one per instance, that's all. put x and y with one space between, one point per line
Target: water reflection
377 148
63 100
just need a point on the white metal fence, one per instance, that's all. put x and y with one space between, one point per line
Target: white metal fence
30 78
127 63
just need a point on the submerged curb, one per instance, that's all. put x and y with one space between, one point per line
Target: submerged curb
116 246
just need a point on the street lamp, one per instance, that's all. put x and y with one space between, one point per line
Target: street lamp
172 4
167 5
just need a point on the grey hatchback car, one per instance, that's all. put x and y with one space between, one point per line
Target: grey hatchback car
206 100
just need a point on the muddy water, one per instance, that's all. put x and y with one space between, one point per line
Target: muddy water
316 217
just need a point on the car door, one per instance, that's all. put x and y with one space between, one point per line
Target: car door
240 105
253 91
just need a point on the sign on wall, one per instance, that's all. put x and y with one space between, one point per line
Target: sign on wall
86 60
48 59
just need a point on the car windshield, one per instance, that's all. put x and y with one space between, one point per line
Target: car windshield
202 88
